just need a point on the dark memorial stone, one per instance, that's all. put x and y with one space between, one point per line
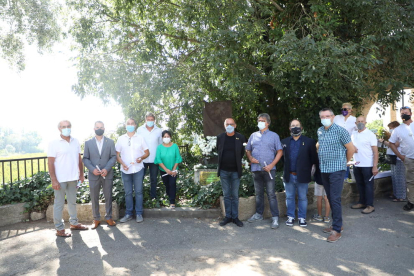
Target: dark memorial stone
214 115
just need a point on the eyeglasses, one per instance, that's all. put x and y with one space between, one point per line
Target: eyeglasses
405 107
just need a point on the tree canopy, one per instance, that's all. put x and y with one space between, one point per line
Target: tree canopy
287 58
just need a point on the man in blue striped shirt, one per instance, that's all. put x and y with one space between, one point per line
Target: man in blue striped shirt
335 151
264 151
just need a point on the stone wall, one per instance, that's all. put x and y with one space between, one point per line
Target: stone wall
13 213
84 212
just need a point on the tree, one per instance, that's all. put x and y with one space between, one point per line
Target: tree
286 58
27 22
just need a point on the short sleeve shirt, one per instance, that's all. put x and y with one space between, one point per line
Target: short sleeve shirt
364 141
131 148
264 147
404 134
153 139
332 150
66 156
348 124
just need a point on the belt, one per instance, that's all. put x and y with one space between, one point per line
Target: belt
294 173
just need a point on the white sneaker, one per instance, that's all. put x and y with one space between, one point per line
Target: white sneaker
255 217
139 218
302 222
275 222
290 221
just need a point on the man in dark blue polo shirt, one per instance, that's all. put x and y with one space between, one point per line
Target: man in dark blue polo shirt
300 155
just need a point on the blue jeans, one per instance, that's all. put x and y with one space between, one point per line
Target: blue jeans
365 187
291 187
170 183
230 182
133 182
153 171
333 184
261 180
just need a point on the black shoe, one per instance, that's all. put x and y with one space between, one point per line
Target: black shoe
408 206
225 221
238 222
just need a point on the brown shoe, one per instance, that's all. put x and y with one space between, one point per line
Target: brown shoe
111 222
78 227
95 224
330 229
358 206
334 236
368 210
62 233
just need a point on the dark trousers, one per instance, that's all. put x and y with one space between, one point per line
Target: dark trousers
170 186
230 182
261 180
95 186
153 170
333 184
365 187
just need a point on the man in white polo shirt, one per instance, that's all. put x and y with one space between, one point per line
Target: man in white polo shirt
152 136
65 169
404 134
131 150
366 158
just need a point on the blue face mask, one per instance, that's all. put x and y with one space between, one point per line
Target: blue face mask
150 123
229 129
261 125
66 132
326 122
130 128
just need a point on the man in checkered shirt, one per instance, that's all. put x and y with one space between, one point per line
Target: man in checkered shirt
335 150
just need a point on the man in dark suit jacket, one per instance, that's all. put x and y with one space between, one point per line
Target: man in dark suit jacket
300 155
99 157
230 147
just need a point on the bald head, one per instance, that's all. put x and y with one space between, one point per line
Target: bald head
361 119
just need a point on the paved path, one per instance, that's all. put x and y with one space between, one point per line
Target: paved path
378 244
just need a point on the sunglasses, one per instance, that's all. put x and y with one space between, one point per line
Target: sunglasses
345 109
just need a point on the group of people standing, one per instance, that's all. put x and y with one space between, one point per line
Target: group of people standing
343 140
138 150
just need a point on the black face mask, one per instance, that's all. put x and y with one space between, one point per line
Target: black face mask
296 131
99 132
406 117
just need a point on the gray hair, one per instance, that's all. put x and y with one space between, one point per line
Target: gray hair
326 109
70 124
135 122
228 119
264 115
149 114
99 122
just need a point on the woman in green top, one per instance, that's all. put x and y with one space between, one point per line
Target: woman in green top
168 157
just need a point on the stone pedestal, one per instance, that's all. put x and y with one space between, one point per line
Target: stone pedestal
84 212
12 213
37 215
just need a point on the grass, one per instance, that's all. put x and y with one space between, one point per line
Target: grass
15 170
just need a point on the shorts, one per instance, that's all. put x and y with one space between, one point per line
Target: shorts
319 190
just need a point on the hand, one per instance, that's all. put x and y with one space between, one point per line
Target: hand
356 149
381 140
139 160
55 185
81 177
254 161
374 170
125 167
104 172
96 172
402 158
173 174
168 171
267 168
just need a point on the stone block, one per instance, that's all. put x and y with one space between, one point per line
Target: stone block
84 212
37 215
12 213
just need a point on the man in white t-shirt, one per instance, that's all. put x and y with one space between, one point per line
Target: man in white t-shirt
131 150
152 136
347 121
65 169
366 165
404 134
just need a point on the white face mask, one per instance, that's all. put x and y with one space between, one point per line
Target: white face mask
261 125
166 140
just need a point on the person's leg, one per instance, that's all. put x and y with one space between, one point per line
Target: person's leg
336 181
139 191
173 187
153 168
234 191
166 182
95 186
58 206
225 179
368 185
302 199
259 190
327 206
394 180
129 200
326 185
319 205
400 181
71 199
107 191
270 189
290 196
359 177
409 177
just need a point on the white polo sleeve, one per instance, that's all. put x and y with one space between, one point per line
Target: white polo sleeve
394 136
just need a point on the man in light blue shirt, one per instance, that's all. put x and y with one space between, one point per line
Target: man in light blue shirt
264 151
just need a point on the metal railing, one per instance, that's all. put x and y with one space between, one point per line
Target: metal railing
12 170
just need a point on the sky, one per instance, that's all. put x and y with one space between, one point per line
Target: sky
41 96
